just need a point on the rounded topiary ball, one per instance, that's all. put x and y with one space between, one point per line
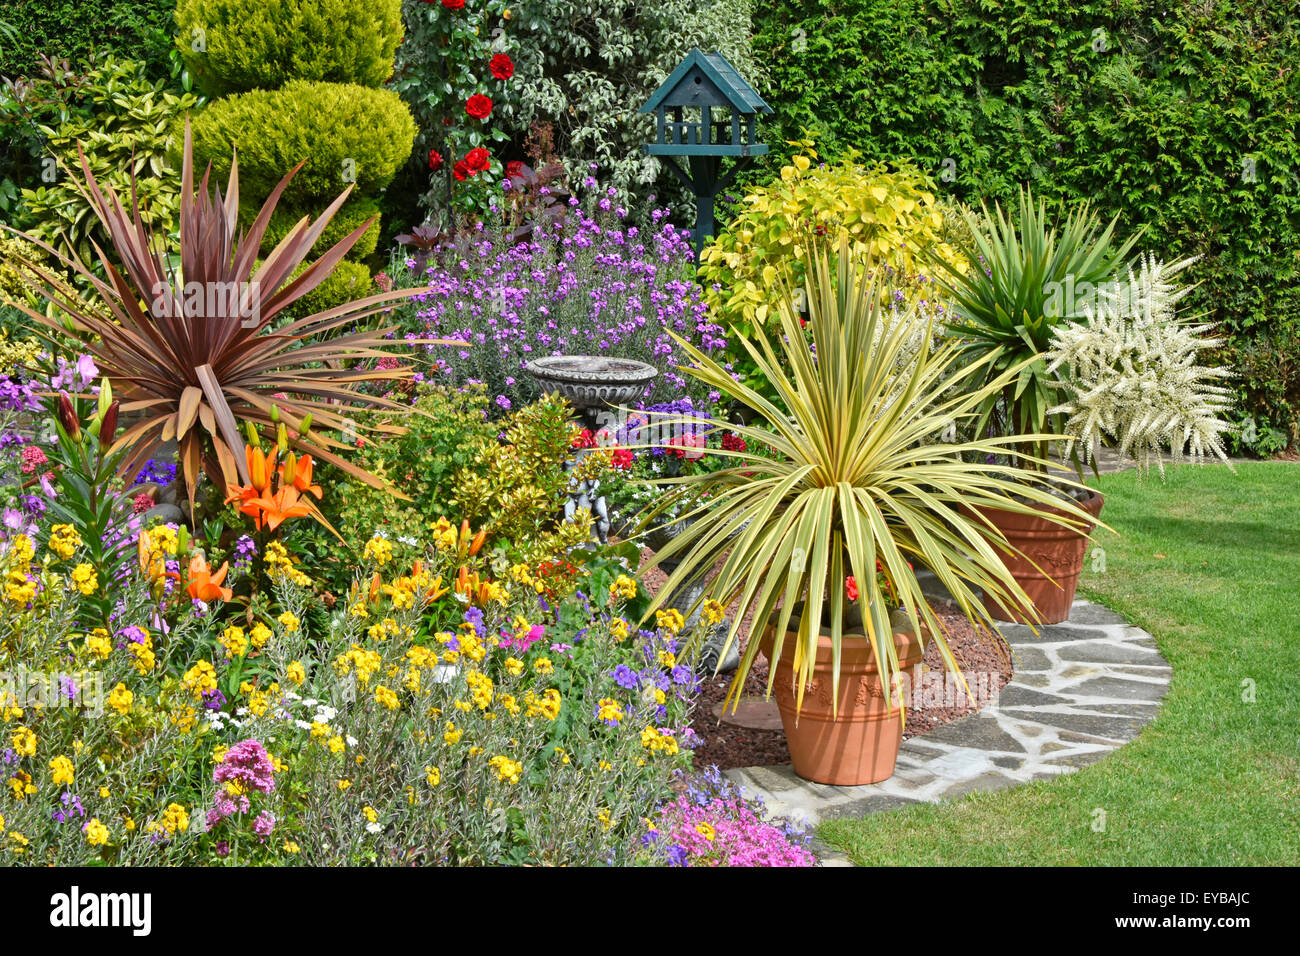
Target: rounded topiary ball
235 45
344 134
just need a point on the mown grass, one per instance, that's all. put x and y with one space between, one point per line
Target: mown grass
1209 563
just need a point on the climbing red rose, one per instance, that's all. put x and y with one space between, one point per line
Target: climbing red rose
515 168
451 4
502 66
477 160
478 106
461 171
435 160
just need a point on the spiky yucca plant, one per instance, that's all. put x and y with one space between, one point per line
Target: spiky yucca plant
1131 373
1008 306
192 348
854 472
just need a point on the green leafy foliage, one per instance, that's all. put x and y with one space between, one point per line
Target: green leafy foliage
127 133
345 134
1179 117
889 216
139 29
237 45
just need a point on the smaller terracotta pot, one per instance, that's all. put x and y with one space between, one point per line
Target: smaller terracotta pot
1057 550
859 745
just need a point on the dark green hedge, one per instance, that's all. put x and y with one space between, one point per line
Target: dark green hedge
130 29
1155 109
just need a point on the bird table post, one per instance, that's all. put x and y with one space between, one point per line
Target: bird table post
687 124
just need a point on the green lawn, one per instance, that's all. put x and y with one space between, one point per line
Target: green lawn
1209 563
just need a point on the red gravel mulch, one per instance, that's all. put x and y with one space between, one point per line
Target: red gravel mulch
731 746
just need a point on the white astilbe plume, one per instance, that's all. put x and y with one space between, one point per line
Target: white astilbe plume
1130 370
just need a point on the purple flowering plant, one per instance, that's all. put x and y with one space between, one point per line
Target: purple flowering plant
589 284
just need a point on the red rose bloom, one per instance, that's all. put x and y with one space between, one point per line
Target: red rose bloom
478 106
515 168
502 66
451 4
435 160
461 171
477 160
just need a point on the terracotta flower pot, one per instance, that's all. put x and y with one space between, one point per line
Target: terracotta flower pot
859 745
1058 551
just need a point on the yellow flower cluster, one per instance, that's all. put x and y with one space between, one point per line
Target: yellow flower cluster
175 819
383 630
64 540
623 588
618 628
714 612
142 654
480 687
61 771
289 622
387 697
120 700
96 833
296 673
657 741
507 769
200 679
280 565
547 705
379 550
366 663
670 620
608 710
260 635
99 644
234 641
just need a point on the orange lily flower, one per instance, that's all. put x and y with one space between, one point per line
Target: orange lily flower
204 585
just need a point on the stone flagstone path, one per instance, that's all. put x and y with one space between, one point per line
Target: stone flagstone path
1081 689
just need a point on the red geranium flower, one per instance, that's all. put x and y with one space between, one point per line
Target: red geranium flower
461 171
622 459
478 106
851 588
435 160
502 66
515 168
477 159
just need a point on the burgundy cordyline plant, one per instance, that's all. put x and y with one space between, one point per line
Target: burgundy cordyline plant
585 285
195 346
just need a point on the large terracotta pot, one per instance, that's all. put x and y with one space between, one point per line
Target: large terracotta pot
860 744
1057 550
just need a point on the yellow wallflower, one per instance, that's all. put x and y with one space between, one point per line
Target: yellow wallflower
289 622
61 768
24 742
296 673
387 697
260 635
234 641
507 770
378 550
706 830
201 678
291 847
543 665
623 588
64 540
670 620
84 578
96 833
99 643
514 666
452 735
618 627
433 775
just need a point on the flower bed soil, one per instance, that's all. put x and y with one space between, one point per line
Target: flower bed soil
728 745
